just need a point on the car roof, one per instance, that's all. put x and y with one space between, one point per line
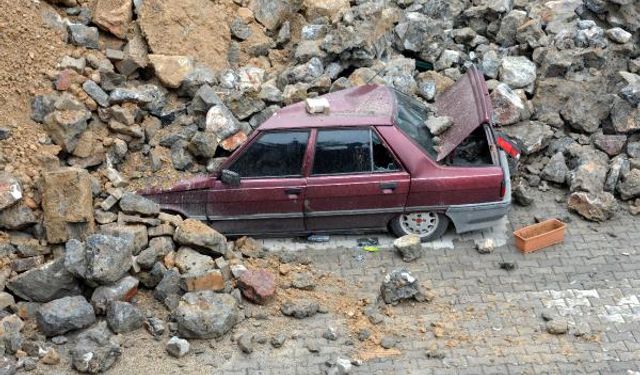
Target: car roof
357 106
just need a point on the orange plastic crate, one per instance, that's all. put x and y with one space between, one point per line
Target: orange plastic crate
538 236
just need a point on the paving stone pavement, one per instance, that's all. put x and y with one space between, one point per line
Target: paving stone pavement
483 319
592 280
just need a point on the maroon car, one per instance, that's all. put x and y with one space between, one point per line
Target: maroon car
369 164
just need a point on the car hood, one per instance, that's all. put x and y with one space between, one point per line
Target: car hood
467 103
194 183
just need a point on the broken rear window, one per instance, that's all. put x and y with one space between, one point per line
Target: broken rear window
410 118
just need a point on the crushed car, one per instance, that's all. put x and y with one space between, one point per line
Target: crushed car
367 162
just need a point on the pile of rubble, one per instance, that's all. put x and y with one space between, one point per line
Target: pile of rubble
127 108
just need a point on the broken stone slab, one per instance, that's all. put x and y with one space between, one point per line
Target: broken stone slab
63 315
135 219
171 70
67 202
132 203
100 260
46 283
123 317
113 16
257 285
10 190
201 237
161 230
206 315
123 290
96 93
593 206
96 350
409 247
300 309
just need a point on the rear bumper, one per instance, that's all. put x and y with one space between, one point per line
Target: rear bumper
470 217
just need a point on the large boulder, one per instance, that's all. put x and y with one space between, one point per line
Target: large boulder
45 283
67 202
95 350
101 260
201 237
63 315
585 110
113 16
205 314
10 190
593 206
589 176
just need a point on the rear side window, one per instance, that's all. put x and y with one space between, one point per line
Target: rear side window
351 151
278 154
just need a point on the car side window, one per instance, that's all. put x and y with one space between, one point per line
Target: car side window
342 151
383 161
277 154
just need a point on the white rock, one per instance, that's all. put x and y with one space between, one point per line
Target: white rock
317 105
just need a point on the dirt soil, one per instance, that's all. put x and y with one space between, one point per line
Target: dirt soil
197 28
30 51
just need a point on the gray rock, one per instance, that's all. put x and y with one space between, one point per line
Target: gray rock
190 261
409 247
303 280
270 13
617 167
557 326
203 144
624 116
633 149
388 342
65 126
42 105
17 217
509 27
593 206
206 314
517 71
96 93
586 110
155 326
531 136
95 350
132 203
619 35
245 343
556 169
168 287
84 36
240 29
611 144
136 234
152 278
5 133
177 347
63 315
200 76
102 259
509 108
399 285
630 187
330 334
299 309
278 340
588 176
631 92
180 157
46 283
123 290
123 317
522 194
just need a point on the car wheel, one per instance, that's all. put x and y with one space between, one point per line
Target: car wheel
428 225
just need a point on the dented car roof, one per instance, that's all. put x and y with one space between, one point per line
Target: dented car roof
363 105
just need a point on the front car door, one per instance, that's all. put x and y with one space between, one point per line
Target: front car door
355 182
272 187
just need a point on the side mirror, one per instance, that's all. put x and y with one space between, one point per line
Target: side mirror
230 178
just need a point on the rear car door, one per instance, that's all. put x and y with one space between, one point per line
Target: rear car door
355 181
272 187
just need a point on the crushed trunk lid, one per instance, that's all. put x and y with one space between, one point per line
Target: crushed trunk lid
467 103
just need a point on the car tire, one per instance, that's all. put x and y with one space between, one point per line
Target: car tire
429 225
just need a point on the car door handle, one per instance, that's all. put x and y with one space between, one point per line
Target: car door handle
293 191
388 185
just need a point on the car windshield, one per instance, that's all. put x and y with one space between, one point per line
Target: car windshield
410 118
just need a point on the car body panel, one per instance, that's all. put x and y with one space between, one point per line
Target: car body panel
467 103
470 196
